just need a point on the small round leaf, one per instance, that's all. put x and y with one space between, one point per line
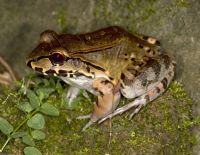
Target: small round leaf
33 98
26 107
5 126
36 122
28 140
19 134
44 92
31 151
38 135
49 109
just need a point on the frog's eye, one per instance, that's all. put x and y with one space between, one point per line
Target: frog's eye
57 58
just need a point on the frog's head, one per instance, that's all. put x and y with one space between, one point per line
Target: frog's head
50 57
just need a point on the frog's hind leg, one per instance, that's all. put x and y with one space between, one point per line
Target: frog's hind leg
106 103
151 92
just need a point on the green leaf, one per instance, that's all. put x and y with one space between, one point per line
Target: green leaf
33 98
44 92
28 140
25 107
36 122
19 134
46 82
49 109
38 135
5 126
52 81
31 151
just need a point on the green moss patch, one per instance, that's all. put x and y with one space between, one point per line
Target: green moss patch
162 127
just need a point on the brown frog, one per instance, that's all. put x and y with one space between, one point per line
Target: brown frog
108 63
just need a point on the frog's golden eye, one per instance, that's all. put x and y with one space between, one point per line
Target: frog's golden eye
57 58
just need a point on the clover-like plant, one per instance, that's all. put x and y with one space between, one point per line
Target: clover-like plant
34 104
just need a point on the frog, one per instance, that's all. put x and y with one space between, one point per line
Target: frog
111 63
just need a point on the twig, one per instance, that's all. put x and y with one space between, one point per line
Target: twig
8 68
4 80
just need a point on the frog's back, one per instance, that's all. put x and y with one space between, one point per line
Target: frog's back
93 41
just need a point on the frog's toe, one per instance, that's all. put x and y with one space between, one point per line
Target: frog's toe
88 125
84 116
135 111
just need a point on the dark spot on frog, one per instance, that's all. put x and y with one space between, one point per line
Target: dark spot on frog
69 71
95 89
93 73
122 86
164 82
78 74
166 61
132 59
145 37
170 73
122 76
50 71
111 78
155 65
105 82
38 69
143 79
88 69
147 98
157 43
148 51
141 64
101 93
158 90
62 71
127 81
140 46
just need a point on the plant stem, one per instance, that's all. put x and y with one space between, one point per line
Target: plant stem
17 128
5 144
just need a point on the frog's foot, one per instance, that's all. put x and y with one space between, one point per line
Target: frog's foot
138 103
72 94
89 123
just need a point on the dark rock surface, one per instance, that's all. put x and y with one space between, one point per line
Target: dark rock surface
175 23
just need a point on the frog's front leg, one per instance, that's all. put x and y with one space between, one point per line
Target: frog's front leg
72 94
107 100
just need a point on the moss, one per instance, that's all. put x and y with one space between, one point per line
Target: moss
162 127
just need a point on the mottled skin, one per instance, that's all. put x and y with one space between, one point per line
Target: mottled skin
108 62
